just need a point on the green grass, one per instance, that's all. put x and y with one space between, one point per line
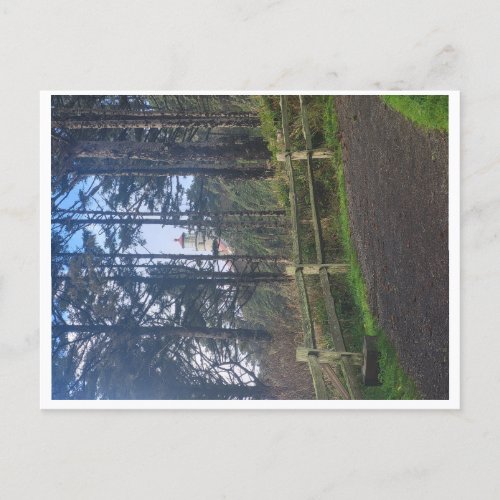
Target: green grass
269 124
427 111
395 383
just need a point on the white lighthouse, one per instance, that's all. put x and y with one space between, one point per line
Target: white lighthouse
200 243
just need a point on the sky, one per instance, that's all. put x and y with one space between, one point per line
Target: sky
158 239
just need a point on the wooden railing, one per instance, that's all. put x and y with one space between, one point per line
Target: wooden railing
349 362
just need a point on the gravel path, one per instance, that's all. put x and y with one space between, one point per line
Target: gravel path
397 184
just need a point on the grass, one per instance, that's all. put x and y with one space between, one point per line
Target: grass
427 111
395 384
269 124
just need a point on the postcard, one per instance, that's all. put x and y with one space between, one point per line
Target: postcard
247 250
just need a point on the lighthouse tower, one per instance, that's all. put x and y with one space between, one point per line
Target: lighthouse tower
196 241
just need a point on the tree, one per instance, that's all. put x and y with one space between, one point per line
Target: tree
109 259
153 158
201 152
228 168
191 277
124 119
166 330
187 218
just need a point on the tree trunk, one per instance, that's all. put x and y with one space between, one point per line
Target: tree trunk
166 331
123 119
229 171
204 152
198 222
178 256
189 213
267 218
193 278
227 168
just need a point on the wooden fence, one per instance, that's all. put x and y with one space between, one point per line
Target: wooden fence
319 361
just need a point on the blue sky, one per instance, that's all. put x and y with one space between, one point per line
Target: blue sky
158 239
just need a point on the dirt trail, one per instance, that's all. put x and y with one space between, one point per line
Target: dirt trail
397 184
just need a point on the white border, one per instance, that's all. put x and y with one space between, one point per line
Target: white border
454 274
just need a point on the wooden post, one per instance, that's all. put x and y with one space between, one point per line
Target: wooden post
305 124
315 268
291 177
305 310
327 356
318 153
318 240
349 372
317 377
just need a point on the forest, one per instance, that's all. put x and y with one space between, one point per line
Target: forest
169 250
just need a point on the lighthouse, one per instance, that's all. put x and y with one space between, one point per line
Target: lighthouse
200 243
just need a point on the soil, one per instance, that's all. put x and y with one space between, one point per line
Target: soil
397 185
280 370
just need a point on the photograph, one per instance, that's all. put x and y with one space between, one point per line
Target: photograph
249 250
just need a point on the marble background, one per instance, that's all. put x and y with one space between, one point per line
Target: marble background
232 44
